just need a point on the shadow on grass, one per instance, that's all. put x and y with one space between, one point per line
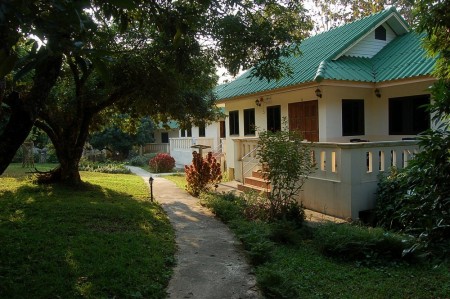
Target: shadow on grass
89 242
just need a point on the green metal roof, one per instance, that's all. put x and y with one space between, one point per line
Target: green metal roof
403 57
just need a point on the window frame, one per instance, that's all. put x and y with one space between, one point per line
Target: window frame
353 117
418 120
233 120
249 122
271 119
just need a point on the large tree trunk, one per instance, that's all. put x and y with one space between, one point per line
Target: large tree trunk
24 110
68 138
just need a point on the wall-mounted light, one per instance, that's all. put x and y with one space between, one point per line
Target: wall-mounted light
377 93
261 100
318 93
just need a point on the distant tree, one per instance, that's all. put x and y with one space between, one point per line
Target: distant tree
333 13
119 140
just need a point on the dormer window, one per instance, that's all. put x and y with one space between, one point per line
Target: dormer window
380 33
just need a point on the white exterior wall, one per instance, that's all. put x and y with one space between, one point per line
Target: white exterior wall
369 46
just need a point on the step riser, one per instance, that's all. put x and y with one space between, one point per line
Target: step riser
257 182
248 188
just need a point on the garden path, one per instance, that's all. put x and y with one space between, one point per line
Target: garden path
210 261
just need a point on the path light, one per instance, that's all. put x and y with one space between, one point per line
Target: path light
150 180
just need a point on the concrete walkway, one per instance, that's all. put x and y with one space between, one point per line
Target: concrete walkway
210 262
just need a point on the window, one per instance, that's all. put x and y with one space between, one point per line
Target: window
189 132
380 33
234 122
183 133
201 131
249 121
407 116
222 129
352 117
164 137
274 118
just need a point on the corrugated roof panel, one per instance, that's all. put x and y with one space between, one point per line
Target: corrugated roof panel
401 58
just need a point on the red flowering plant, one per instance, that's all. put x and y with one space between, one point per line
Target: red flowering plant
162 163
202 174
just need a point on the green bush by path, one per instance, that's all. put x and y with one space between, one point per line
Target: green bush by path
103 240
330 261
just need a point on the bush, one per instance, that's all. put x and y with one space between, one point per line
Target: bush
362 244
162 162
103 167
416 200
288 163
202 174
138 161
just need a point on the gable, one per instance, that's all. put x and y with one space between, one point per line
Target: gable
369 46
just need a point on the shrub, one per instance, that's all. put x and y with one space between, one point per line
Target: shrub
138 161
362 244
85 165
416 200
162 162
288 162
202 174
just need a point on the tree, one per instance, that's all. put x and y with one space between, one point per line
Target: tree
120 140
333 13
152 57
416 199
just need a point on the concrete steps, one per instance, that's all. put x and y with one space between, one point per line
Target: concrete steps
256 183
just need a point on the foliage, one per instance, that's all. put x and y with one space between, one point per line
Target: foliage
293 262
287 162
119 141
416 200
138 57
105 240
202 174
138 161
162 162
103 167
333 13
365 245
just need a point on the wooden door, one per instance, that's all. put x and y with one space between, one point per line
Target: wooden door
304 117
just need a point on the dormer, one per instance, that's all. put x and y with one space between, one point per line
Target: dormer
377 38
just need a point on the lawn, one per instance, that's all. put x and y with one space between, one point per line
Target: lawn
103 240
330 261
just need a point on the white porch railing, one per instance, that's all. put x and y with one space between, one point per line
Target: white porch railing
181 148
156 148
346 176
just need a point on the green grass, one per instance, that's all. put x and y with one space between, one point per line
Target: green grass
103 240
179 179
17 171
326 262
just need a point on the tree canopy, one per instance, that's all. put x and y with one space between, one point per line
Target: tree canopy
135 56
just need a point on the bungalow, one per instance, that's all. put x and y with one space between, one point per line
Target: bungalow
356 92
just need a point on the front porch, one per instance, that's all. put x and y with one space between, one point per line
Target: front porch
346 176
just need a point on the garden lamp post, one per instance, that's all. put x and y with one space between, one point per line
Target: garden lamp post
150 180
